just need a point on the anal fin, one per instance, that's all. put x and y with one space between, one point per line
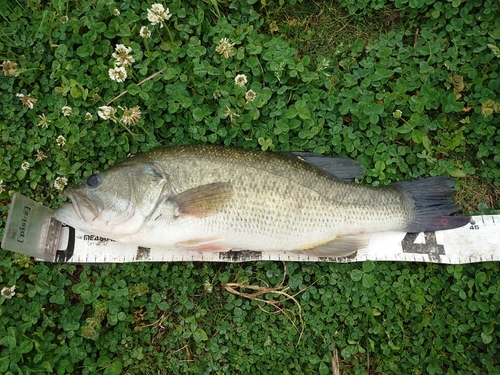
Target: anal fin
339 247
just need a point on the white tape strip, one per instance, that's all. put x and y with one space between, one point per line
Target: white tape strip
477 242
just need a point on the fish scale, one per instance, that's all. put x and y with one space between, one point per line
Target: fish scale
217 198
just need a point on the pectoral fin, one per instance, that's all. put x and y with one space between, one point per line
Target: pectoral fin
203 200
339 247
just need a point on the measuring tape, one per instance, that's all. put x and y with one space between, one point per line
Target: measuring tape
32 230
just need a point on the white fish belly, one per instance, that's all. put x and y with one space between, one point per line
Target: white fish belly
264 227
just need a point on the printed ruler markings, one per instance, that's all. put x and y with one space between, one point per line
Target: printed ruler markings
429 247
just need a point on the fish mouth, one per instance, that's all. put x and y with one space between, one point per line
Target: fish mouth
86 207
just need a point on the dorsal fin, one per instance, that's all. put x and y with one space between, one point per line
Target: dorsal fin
341 168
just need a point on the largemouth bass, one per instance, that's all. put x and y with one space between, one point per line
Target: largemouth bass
216 198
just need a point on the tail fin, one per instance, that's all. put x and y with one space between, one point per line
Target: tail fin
432 204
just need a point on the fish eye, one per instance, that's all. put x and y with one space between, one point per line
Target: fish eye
94 180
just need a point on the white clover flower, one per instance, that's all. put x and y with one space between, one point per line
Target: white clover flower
25 166
116 12
207 285
8 292
60 183
121 49
154 18
118 74
397 113
145 32
225 48
232 115
27 100
125 61
240 80
107 113
250 96
2 186
88 116
9 68
157 14
122 55
219 93
44 121
157 8
60 140
66 111
40 155
131 115
64 19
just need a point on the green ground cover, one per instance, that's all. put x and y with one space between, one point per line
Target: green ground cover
409 88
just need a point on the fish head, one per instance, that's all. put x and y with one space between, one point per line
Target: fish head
116 202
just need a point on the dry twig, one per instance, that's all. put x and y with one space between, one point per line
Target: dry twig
335 361
280 290
140 83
